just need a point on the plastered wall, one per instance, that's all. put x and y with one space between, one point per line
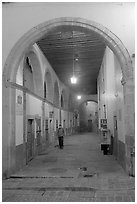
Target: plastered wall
34 105
19 108
19 18
88 111
110 93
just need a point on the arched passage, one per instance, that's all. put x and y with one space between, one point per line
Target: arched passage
88 98
29 74
23 45
37 75
64 102
56 94
48 87
70 102
39 31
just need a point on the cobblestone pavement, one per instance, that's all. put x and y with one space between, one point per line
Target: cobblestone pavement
78 173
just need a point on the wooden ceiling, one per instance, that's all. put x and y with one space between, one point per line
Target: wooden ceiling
68 48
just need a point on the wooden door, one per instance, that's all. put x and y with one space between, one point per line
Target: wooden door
46 130
30 139
70 127
38 134
51 133
64 126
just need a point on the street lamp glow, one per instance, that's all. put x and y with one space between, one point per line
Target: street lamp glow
73 80
79 97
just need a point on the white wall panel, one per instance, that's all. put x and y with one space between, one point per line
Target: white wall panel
19 129
33 105
111 92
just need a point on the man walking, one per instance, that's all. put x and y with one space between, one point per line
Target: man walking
60 134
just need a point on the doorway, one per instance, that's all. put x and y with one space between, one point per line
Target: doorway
38 134
89 125
64 126
30 139
51 133
46 130
115 137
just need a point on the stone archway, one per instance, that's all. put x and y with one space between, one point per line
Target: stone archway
39 31
38 82
23 45
88 98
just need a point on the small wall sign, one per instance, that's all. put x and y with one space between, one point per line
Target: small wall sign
19 99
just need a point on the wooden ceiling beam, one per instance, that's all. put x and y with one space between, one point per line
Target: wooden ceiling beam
62 46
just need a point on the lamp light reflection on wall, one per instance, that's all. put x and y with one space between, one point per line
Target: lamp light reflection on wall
78 97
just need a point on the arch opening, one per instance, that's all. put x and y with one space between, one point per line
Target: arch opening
22 47
39 31
34 64
45 88
48 87
56 94
64 103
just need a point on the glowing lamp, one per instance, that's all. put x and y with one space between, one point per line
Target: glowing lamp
79 97
73 80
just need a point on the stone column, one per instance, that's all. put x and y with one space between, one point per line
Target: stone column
129 120
8 128
24 129
43 125
25 156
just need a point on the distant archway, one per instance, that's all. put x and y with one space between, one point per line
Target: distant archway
88 98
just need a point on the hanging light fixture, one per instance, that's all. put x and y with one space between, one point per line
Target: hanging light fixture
79 97
73 79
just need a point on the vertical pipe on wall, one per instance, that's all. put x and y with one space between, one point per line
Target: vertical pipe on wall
129 117
11 142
